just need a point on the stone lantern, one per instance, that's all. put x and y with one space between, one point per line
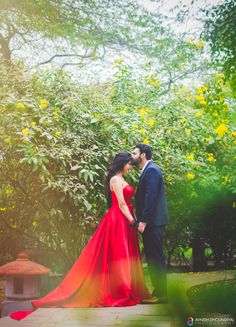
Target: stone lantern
22 284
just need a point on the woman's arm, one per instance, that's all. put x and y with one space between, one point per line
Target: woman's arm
117 187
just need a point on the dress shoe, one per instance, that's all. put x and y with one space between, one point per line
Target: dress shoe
150 300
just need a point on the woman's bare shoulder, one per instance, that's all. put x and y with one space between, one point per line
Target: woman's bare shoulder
116 179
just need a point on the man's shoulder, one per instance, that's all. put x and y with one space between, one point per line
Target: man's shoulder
153 167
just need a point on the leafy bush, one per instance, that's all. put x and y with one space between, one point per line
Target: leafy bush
57 139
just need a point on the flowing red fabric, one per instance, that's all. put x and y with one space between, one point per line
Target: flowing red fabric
108 272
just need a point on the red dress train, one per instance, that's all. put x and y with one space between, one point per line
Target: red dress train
108 272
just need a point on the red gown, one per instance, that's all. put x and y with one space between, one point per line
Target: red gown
108 272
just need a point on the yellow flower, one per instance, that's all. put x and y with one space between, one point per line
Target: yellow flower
9 191
57 133
200 44
190 156
233 134
8 140
20 105
57 112
25 131
142 131
199 90
151 122
219 81
234 141
199 97
202 102
190 176
145 141
135 127
210 157
43 103
199 113
153 81
226 179
143 112
123 112
221 130
34 223
118 60
33 123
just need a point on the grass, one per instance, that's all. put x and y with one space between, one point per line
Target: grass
217 296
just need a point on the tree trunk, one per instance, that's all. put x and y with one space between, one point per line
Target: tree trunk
199 259
5 50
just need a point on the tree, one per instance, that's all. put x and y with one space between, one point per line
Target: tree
79 30
46 158
220 24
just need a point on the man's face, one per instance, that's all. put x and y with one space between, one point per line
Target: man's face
136 155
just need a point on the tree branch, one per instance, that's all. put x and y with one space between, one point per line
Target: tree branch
66 55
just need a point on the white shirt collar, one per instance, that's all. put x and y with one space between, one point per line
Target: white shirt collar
145 166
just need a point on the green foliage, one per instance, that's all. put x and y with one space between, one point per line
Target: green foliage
57 140
52 165
220 33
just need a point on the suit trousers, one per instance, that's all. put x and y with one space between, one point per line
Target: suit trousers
153 249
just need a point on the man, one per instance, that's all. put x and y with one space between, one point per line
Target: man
152 216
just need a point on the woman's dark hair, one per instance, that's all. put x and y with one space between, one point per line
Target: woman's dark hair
144 148
120 160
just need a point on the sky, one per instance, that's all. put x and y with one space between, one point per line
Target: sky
193 7
191 26
103 70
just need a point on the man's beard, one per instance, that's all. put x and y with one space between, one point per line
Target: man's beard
136 162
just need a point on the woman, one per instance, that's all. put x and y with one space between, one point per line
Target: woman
108 272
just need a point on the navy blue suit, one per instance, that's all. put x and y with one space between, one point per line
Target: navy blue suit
151 208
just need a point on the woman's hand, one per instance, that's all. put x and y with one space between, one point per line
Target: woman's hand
134 223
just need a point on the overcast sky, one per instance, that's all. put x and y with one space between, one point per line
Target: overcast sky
192 25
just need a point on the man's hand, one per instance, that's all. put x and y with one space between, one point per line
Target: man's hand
141 227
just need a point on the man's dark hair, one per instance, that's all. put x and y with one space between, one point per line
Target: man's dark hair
144 148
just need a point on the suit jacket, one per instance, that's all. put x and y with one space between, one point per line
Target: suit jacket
150 198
